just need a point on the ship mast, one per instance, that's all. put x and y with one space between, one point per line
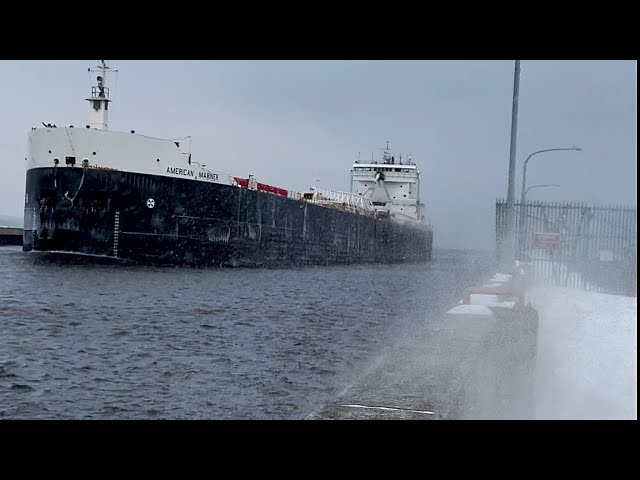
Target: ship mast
386 155
99 101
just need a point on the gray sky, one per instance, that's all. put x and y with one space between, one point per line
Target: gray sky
291 123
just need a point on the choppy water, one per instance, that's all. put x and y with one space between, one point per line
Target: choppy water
113 342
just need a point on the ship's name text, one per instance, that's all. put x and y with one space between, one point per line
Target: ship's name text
180 171
190 173
208 175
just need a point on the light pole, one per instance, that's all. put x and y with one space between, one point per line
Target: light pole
507 247
524 171
537 186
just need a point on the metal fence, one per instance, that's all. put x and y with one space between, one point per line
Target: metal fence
574 244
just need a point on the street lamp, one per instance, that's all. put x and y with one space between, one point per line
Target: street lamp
524 171
521 210
537 186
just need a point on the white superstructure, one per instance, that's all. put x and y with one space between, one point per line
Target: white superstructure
94 146
99 100
392 186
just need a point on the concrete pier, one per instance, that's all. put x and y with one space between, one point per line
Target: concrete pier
10 236
478 362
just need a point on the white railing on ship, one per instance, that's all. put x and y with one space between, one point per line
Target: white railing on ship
324 196
388 175
345 198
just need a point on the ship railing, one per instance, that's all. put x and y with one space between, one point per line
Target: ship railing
349 201
341 200
370 174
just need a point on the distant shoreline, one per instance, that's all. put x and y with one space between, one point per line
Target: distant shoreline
11 221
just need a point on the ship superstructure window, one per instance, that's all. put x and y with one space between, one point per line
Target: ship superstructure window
96 105
70 160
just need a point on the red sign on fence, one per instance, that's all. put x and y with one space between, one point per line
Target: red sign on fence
547 241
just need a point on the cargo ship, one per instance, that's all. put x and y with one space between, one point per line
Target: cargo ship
94 192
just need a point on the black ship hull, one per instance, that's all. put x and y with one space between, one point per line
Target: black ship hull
153 219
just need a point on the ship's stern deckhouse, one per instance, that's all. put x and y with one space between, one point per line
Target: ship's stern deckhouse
392 185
